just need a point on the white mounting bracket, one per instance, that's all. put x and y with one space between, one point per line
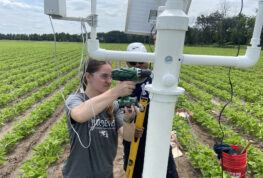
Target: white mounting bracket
92 19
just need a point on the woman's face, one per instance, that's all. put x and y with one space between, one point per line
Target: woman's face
100 81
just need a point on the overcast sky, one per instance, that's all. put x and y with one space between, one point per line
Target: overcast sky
27 16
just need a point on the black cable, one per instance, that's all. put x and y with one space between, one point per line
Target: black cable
229 74
149 42
231 98
151 39
230 83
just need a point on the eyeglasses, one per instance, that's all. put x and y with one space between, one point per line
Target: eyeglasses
103 76
134 63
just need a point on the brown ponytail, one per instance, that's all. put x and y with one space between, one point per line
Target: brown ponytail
109 111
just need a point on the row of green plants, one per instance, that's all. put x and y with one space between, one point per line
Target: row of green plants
250 89
255 156
208 122
243 90
222 73
250 124
9 113
254 108
47 152
33 63
14 81
27 125
41 79
201 157
16 61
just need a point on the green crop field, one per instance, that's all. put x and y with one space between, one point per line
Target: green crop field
33 132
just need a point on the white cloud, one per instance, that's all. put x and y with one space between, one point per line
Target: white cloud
27 16
17 5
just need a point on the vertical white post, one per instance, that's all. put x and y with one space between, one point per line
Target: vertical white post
93 32
171 26
255 40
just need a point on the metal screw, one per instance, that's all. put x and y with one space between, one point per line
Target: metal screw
168 59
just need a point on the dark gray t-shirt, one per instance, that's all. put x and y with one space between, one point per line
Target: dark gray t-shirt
97 160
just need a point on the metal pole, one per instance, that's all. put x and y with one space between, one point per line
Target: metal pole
93 32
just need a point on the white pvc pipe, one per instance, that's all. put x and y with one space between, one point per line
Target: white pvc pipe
93 30
250 59
255 40
171 26
159 129
106 55
93 6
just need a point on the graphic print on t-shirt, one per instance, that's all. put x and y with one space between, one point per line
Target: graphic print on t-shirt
103 125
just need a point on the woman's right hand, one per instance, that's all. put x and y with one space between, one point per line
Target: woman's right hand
124 88
138 132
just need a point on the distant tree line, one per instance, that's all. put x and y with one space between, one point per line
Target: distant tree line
215 28
110 37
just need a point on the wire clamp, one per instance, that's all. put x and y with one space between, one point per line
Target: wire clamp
92 20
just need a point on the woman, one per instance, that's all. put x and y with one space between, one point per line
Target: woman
94 121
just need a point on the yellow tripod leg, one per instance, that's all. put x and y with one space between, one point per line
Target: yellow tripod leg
136 141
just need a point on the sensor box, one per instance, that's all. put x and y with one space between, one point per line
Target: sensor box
55 7
142 14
